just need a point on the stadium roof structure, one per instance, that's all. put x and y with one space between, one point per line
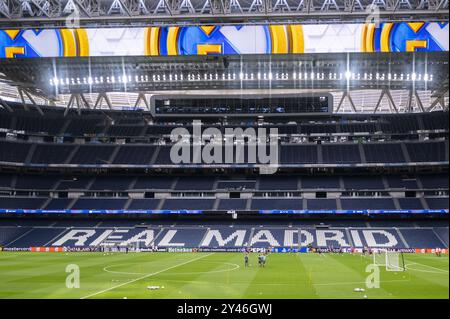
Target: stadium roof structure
421 79
386 82
95 13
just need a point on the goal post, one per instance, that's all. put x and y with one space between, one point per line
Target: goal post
395 261
391 260
379 257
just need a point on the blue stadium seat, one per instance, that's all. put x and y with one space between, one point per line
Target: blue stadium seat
232 204
276 204
367 204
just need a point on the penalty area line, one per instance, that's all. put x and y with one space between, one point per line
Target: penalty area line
144 277
440 270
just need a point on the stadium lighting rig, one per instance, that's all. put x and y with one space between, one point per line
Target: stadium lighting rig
226 76
54 76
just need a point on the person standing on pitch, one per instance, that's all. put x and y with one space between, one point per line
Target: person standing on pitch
261 260
246 259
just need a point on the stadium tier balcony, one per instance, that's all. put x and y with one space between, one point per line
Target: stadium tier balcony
99 204
341 154
232 204
384 153
373 203
52 192
435 202
363 182
193 204
42 154
276 183
276 203
135 155
188 183
142 204
117 161
127 124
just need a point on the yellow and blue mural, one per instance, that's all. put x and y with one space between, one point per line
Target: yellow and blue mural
224 40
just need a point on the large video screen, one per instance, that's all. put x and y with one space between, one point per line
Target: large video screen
239 105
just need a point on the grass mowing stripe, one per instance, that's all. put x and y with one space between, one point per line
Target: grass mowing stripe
305 270
145 276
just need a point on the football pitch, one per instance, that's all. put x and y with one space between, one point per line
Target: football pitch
216 276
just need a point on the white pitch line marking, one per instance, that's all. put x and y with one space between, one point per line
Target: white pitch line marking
143 277
357 282
439 270
235 266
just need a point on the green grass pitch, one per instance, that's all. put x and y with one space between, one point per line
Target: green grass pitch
217 276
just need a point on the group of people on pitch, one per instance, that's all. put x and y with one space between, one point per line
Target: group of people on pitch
261 259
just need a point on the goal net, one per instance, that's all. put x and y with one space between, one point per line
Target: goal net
136 246
392 260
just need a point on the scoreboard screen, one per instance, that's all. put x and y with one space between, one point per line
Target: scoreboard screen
242 105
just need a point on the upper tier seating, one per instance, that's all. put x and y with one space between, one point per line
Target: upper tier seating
13 151
319 182
289 154
402 182
75 183
132 124
367 203
193 204
437 202
106 183
410 203
321 204
5 180
434 181
384 153
50 153
299 154
427 152
153 183
135 155
198 183
232 204
341 154
58 204
363 182
278 183
21 202
276 203
99 203
144 204
193 183
32 182
93 154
